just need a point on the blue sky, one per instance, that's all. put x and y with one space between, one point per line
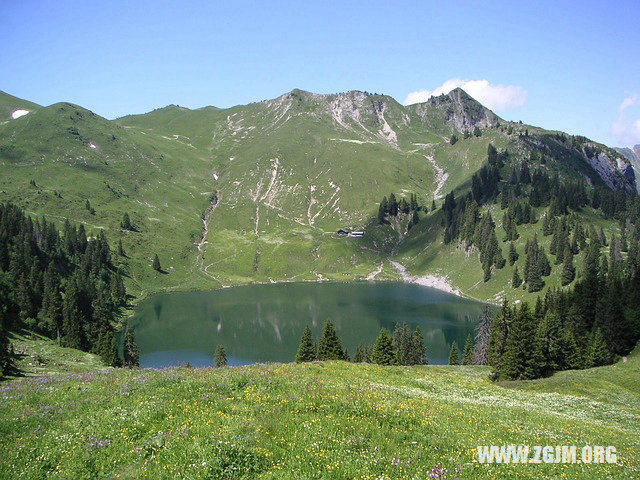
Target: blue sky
571 66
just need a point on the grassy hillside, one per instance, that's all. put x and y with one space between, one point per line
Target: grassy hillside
9 104
319 420
73 155
38 356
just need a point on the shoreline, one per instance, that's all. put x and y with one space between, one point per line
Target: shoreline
432 281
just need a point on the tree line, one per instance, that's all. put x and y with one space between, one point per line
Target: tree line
403 347
392 208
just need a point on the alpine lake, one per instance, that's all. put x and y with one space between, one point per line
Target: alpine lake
264 323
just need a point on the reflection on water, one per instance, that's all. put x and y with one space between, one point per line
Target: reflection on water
262 323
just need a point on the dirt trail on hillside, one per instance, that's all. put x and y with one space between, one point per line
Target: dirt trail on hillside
215 200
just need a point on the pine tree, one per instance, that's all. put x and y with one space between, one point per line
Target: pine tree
404 206
453 139
549 343
126 222
467 352
597 353
393 205
131 355
482 334
383 352
519 358
499 332
418 354
306 349
433 205
572 358
454 357
401 341
329 346
74 336
121 252
568 270
156 264
220 357
516 281
415 219
513 254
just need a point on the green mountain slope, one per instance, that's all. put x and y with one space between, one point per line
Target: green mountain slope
10 104
73 155
257 192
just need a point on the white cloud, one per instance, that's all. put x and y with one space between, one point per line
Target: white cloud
495 97
626 132
628 102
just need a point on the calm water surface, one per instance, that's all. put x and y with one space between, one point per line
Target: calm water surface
263 323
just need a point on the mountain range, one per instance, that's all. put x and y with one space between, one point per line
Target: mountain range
256 193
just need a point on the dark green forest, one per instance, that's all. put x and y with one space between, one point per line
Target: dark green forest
60 283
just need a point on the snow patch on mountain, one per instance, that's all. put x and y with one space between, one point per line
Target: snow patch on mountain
19 113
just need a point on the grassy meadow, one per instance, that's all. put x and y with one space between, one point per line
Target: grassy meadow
323 420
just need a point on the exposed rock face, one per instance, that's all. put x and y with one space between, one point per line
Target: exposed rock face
633 155
371 115
616 171
459 110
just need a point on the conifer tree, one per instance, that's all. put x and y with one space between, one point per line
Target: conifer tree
433 205
393 205
513 254
131 355
500 327
519 358
482 334
572 358
121 252
454 356
329 346
549 344
568 270
597 353
415 218
467 352
126 222
74 336
516 281
403 206
156 263
401 341
418 354
110 354
383 352
306 349
220 357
